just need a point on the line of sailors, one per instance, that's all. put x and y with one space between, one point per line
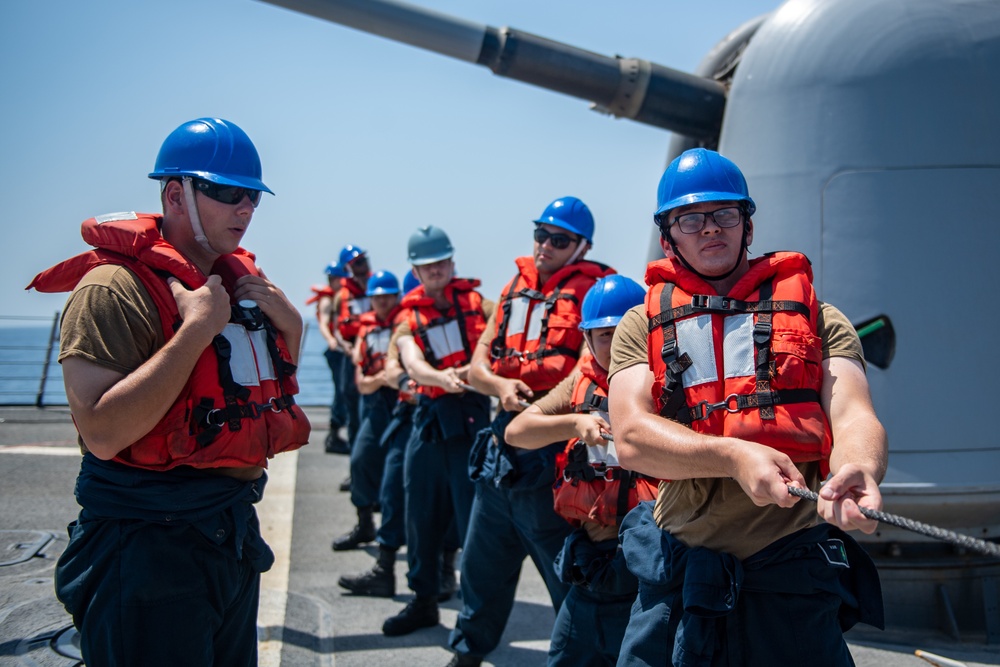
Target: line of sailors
537 476
723 377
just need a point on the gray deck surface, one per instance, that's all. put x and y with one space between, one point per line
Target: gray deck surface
322 624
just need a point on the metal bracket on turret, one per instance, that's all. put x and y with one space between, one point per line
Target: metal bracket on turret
632 87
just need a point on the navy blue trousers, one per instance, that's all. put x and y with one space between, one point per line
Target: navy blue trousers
511 518
345 410
589 629
165 597
392 531
700 608
436 482
591 622
367 454
163 568
338 408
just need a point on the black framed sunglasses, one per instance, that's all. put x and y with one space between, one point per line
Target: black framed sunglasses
227 194
558 241
692 223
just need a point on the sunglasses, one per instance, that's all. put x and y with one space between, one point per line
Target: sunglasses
558 241
227 194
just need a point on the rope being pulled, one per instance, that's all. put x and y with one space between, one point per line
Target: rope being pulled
971 543
468 387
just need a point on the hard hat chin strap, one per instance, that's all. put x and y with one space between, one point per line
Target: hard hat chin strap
587 336
581 248
196 227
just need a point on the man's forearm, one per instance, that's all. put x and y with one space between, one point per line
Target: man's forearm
113 417
861 440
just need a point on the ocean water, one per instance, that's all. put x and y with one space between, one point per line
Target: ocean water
25 358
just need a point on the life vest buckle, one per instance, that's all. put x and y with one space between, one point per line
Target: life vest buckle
251 318
215 417
711 302
703 410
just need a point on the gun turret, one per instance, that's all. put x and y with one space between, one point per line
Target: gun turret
631 88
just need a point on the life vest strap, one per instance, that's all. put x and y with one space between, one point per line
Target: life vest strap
763 366
672 397
592 401
498 348
506 352
705 303
739 402
579 467
212 419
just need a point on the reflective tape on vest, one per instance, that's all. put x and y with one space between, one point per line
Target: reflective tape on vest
250 361
377 341
521 318
359 305
696 338
603 455
445 339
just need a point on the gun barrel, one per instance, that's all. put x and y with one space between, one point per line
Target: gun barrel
623 87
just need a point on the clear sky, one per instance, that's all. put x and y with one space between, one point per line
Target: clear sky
363 140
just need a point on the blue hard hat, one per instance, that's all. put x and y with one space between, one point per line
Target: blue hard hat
569 213
382 282
607 301
699 175
349 253
410 282
213 150
336 270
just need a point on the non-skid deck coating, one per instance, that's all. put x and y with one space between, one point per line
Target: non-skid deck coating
305 618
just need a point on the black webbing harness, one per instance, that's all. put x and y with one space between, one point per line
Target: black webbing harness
498 348
237 404
578 466
372 358
460 316
764 398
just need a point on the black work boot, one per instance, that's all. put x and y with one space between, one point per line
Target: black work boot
448 584
419 613
464 660
379 582
360 534
334 444
345 484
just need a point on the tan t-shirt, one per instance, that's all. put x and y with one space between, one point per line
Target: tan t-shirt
716 513
111 320
559 399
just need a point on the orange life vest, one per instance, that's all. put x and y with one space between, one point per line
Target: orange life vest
373 339
354 302
320 291
446 339
590 484
238 407
538 326
745 365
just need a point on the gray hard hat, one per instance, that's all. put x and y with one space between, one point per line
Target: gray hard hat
428 245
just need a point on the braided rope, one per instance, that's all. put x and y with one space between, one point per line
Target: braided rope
971 543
